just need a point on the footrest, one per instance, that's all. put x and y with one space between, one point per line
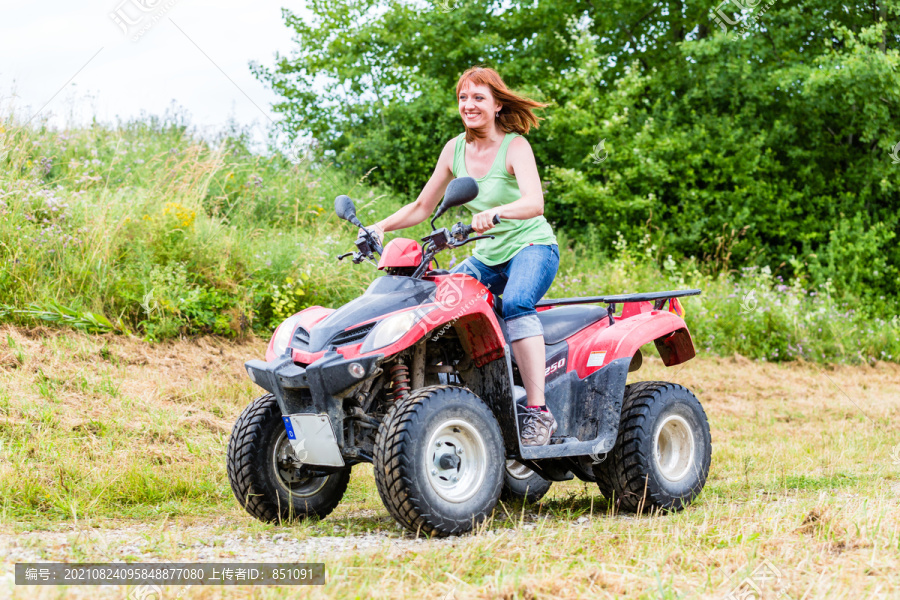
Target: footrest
567 447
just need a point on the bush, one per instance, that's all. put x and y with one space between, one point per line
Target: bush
780 128
753 312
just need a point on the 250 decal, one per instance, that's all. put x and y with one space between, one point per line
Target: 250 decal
557 366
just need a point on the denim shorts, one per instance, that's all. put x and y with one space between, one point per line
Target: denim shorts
521 281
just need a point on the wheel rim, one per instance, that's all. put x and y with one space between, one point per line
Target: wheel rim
518 470
291 477
456 460
673 448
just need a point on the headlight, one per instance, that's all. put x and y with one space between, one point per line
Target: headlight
283 335
393 328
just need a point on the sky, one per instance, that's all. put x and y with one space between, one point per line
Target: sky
70 62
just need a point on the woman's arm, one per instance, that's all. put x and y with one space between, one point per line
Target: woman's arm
415 212
521 159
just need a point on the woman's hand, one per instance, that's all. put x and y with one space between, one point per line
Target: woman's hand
484 221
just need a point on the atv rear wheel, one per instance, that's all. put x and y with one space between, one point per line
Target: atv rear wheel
439 461
264 473
662 455
521 483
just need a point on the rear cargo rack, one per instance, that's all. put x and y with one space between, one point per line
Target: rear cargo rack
658 298
619 298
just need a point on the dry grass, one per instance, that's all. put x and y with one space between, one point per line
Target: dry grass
112 449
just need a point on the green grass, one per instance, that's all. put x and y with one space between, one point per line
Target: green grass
144 228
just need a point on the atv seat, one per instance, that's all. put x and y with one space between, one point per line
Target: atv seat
560 323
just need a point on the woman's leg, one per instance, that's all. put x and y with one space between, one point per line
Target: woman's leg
529 353
530 274
493 278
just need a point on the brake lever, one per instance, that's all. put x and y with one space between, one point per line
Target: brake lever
343 256
474 239
359 257
372 243
463 229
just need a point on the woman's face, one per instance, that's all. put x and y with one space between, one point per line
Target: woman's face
477 106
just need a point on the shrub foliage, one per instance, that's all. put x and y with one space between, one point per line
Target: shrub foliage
766 139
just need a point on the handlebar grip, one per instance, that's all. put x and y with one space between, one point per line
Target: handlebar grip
469 230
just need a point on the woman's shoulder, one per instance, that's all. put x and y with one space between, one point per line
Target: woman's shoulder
451 145
453 142
450 154
518 141
519 146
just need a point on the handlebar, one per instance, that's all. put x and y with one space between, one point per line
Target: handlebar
469 230
439 239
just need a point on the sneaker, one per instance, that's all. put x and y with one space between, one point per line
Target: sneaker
537 426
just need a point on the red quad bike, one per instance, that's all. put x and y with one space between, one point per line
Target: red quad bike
416 377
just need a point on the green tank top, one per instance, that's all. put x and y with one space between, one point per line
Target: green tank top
497 188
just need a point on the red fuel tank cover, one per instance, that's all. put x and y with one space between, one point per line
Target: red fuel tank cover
401 252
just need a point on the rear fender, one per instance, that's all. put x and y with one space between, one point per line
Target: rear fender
627 335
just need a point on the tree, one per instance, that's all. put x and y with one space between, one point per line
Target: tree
779 127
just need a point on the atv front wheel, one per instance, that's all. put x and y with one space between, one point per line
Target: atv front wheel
521 483
439 461
663 451
266 477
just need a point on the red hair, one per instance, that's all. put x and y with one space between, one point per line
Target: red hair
516 114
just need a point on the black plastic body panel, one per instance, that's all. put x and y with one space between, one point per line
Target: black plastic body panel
318 388
493 383
587 410
385 295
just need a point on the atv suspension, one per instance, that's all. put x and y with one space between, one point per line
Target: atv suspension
399 381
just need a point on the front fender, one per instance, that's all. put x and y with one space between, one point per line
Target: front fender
309 317
463 303
626 336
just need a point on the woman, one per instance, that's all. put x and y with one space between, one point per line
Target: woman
521 261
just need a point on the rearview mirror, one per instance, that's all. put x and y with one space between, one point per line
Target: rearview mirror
345 209
460 191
